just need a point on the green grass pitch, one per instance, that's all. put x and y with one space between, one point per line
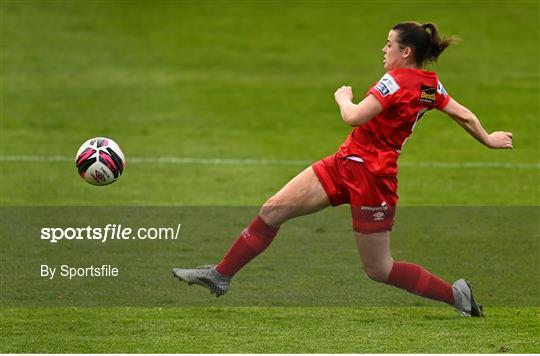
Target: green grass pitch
255 80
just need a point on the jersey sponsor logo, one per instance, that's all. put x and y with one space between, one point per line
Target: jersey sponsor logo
440 89
428 95
387 85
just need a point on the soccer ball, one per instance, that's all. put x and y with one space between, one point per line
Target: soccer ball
100 161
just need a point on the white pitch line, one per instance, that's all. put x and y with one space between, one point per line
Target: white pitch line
507 165
170 160
269 162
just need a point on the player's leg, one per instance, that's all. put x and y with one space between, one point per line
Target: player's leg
375 255
378 264
303 195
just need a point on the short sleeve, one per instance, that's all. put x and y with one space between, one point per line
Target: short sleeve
442 96
385 90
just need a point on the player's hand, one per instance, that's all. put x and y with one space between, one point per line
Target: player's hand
500 139
344 92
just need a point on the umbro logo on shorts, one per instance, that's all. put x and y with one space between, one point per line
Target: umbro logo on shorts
378 216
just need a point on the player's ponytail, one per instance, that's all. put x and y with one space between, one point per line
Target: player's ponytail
437 43
424 39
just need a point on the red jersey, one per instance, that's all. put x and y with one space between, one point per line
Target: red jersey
405 95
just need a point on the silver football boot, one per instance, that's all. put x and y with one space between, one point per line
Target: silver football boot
464 300
206 276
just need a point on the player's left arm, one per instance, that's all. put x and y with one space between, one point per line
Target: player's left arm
356 114
471 124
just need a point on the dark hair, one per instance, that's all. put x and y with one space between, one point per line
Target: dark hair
424 39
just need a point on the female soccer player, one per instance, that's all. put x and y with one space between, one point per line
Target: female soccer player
363 172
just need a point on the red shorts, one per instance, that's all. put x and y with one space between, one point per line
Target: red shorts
372 198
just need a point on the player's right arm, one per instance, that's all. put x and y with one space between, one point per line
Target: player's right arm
471 124
356 114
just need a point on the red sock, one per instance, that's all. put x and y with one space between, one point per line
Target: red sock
251 242
417 280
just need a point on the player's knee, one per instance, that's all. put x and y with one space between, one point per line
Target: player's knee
377 273
274 211
271 207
